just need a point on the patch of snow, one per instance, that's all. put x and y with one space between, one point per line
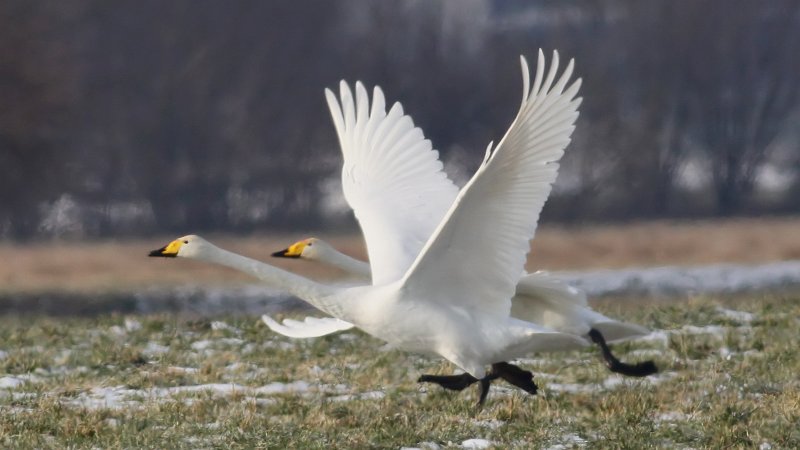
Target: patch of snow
430 445
220 389
116 397
715 330
201 345
644 353
676 280
3 355
281 388
427 445
476 443
10 382
570 440
673 416
719 331
613 382
765 446
132 324
491 424
153 349
240 367
182 370
120 397
610 383
572 388
219 325
739 316
371 395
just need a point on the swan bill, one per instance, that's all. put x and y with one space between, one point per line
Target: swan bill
285 253
293 251
168 251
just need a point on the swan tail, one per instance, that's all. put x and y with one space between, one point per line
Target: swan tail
310 327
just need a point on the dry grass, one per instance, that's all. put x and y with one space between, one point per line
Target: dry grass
121 265
728 380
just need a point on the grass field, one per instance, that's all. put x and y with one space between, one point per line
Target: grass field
728 380
122 265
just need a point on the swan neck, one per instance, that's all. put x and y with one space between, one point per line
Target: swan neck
310 291
347 263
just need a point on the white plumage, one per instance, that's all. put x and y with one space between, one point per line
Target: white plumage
439 286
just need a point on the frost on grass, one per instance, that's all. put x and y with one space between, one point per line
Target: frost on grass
217 384
121 397
568 441
476 443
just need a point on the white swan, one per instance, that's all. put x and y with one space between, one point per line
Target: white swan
399 209
539 298
454 299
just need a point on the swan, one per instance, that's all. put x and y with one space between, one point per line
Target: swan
539 298
452 298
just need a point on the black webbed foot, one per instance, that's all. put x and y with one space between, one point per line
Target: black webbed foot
452 382
520 378
509 372
641 369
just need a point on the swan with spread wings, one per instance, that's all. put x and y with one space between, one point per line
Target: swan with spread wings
442 285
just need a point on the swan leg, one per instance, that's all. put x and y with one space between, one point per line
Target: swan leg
486 383
452 382
520 378
641 369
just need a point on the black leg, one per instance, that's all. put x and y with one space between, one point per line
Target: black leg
452 382
641 369
486 383
520 378
509 372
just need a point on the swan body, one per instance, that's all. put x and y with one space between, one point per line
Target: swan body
452 297
539 298
386 312
444 262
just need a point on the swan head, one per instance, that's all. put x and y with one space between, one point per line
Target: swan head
189 246
310 248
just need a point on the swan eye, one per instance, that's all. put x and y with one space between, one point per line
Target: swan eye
310 244
186 242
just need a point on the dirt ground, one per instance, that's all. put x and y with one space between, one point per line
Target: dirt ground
123 265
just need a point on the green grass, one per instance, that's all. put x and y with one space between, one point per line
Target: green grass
735 388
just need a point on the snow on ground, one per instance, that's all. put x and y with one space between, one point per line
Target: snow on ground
120 397
476 443
656 281
676 280
571 440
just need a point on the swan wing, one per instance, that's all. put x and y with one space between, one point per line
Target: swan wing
541 286
310 327
391 177
478 251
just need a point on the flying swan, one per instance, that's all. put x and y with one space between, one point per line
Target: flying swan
539 298
453 299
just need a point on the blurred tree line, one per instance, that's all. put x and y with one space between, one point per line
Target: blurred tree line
136 117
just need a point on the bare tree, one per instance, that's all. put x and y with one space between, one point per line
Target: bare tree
744 88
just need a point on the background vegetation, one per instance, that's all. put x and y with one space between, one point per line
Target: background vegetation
142 117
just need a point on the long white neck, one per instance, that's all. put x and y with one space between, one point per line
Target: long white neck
335 258
312 292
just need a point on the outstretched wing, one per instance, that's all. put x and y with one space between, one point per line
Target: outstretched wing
392 178
308 328
476 255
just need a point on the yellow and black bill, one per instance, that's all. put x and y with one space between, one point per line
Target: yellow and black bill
168 251
293 251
